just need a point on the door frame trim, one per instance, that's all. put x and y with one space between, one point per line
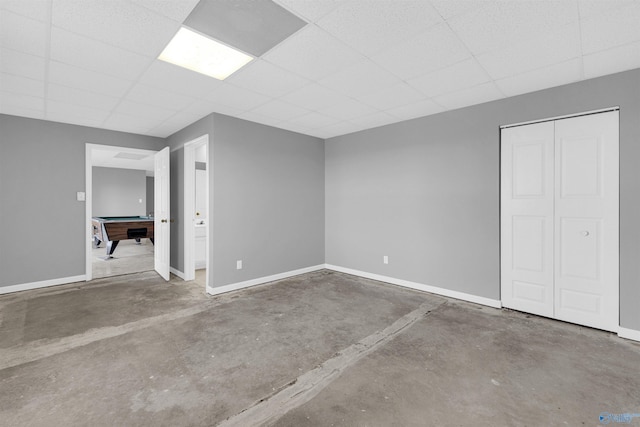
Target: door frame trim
189 207
566 116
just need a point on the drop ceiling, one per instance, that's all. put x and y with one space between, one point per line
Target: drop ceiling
355 65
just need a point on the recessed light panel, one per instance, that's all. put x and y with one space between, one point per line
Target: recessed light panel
198 53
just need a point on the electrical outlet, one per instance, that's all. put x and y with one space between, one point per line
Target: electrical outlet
239 264
385 259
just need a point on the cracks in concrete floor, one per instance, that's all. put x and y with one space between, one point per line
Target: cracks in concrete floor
268 410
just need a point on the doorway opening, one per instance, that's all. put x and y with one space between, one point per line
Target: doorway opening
121 191
197 212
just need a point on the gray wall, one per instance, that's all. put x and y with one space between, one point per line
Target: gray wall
119 192
42 166
268 198
268 207
425 192
150 182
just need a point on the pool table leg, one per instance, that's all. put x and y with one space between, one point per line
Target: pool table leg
111 246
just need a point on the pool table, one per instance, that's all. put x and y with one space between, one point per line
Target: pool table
112 229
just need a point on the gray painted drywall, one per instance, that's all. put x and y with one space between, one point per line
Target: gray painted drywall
119 192
42 166
267 199
150 182
268 208
425 192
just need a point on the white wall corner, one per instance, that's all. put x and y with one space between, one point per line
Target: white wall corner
419 286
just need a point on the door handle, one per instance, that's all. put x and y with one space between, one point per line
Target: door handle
163 220
585 233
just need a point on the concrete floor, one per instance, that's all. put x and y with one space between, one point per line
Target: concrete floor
320 349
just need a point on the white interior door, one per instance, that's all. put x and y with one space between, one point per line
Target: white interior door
162 212
559 219
527 218
586 220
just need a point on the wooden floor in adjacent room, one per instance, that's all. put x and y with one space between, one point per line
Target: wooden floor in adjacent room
319 349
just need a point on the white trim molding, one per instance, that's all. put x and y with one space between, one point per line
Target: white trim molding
419 286
42 284
177 272
630 334
261 280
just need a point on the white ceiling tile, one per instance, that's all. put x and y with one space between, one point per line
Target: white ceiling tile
312 54
315 120
22 64
464 74
146 111
267 79
159 98
22 101
418 109
259 118
369 26
67 75
360 79
374 120
21 85
476 95
503 23
347 109
15 110
280 110
313 97
310 10
429 51
341 128
81 113
611 61
614 28
81 97
450 8
121 23
23 34
173 124
205 107
550 76
67 117
34 9
556 46
127 123
176 10
93 55
237 98
179 80
597 8
395 96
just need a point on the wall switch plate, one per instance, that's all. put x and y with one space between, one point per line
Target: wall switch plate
81 196
385 259
239 264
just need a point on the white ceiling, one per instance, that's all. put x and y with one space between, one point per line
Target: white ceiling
358 64
124 158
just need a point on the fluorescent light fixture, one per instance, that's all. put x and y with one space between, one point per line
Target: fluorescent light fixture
198 53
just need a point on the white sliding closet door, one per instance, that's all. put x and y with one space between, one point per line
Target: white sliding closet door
559 219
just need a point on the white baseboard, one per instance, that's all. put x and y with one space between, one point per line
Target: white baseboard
178 273
419 286
42 284
630 334
261 280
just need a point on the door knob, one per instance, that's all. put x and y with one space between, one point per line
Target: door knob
163 220
585 233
